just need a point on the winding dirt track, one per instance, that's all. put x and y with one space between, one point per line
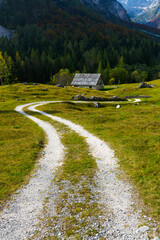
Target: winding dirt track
18 220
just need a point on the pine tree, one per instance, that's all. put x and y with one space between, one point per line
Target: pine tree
121 62
84 69
3 69
99 70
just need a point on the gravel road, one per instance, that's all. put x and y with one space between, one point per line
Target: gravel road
18 220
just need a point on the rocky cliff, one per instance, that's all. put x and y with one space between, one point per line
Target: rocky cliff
142 11
111 9
4 32
155 22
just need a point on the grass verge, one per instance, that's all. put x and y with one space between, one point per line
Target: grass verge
20 144
77 206
20 139
132 131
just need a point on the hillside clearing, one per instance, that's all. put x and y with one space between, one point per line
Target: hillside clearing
114 194
132 131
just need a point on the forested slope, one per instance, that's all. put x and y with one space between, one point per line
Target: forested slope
51 35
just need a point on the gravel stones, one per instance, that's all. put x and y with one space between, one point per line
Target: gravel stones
116 220
19 218
94 98
71 215
116 194
142 229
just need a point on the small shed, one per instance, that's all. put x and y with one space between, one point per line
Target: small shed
88 80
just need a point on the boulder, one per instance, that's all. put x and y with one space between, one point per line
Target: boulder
98 105
115 98
80 97
145 85
60 85
94 98
118 106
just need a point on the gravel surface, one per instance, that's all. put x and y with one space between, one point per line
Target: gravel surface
19 218
121 221
115 193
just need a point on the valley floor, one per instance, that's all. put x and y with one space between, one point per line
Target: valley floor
102 207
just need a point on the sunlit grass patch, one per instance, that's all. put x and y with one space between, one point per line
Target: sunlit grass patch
20 139
19 148
133 132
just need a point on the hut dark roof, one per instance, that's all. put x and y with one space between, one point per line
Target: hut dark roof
86 79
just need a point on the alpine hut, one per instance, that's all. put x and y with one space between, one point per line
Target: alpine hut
88 80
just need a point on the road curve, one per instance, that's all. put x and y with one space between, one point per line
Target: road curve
19 218
115 193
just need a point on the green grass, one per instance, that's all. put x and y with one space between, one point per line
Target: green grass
79 169
132 131
78 162
20 139
20 143
76 204
132 89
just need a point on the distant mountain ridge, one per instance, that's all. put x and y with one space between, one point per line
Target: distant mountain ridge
141 11
155 22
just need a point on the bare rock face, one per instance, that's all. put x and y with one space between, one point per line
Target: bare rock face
109 8
117 10
4 32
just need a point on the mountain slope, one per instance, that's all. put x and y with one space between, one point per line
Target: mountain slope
111 9
149 14
68 34
142 11
20 12
155 22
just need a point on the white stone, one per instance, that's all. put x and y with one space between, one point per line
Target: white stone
118 106
142 229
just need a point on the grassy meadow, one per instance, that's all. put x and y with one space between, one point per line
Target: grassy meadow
133 131
21 140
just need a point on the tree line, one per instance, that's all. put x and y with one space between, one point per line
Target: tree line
71 37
